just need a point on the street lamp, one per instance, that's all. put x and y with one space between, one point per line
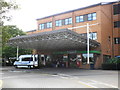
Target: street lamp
88 41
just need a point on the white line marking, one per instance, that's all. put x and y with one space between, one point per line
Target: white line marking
97 82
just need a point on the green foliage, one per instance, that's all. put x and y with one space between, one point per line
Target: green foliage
7 33
113 61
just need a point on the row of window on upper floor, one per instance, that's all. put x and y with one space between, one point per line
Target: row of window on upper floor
68 21
45 25
116 9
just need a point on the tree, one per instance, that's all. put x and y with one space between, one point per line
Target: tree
7 33
5 7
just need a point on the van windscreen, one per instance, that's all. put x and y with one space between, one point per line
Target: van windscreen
27 59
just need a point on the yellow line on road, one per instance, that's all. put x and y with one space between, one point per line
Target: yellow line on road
87 85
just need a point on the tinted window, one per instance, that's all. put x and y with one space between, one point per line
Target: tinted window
117 24
116 9
27 59
117 40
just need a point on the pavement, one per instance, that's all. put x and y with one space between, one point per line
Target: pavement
57 78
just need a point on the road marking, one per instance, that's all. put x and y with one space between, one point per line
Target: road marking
64 77
1 83
109 85
87 84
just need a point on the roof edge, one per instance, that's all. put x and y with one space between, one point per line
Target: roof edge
102 3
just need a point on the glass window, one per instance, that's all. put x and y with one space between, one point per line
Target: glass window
27 59
66 21
41 26
77 19
89 17
85 17
49 24
70 20
117 24
117 40
81 19
59 23
93 36
116 9
93 16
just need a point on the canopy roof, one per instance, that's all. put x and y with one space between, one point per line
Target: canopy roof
56 40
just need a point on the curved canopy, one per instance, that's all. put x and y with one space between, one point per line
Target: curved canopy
56 40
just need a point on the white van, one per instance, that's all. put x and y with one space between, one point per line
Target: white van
29 61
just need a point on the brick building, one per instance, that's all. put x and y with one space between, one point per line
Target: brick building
106 32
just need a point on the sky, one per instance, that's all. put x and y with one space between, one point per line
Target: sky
30 10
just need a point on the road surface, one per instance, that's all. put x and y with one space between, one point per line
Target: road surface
58 78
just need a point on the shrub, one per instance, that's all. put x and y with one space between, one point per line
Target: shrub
113 61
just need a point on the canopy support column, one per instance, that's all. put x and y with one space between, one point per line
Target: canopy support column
17 51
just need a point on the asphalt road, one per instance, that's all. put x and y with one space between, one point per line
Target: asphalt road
57 78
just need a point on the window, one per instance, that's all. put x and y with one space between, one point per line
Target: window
81 19
117 24
41 26
27 59
117 40
116 9
93 36
59 23
68 21
86 17
77 19
91 16
49 25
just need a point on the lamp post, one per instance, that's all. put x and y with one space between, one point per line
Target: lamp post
88 40
17 51
17 48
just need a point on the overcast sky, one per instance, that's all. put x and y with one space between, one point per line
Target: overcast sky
30 10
